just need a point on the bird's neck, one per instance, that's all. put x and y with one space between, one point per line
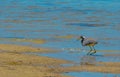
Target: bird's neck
82 40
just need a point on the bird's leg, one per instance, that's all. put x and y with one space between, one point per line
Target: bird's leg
90 50
94 50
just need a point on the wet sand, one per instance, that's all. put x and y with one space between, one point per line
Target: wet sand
34 41
14 63
21 65
21 49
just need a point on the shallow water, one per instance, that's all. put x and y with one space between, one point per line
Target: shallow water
43 19
91 74
47 20
79 57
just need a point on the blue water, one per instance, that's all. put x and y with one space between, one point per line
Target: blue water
46 19
80 56
91 74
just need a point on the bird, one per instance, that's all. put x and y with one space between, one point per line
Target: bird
88 42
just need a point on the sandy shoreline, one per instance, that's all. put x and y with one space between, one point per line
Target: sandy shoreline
21 65
13 63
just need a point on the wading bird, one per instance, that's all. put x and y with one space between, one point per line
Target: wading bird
88 42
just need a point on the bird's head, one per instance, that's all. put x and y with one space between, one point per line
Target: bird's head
80 37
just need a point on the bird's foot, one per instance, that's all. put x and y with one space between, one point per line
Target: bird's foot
93 53
88 53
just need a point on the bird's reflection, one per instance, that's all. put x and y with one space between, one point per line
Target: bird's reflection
88 60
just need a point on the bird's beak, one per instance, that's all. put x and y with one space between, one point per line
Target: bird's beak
78 39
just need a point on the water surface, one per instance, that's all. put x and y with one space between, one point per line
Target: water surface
45 19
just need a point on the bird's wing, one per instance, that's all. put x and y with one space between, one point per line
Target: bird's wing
89 41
